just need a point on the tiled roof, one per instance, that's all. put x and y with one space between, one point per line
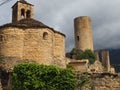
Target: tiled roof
29 23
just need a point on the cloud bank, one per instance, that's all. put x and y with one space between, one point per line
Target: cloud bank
59 14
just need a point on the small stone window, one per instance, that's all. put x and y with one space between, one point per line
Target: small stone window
22 13
78 38
45 35
28 14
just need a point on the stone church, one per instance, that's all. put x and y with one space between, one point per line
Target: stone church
26 39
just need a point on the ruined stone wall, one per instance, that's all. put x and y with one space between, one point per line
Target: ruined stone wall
41 45
106 82
103 56
100 81
59 50
96 67
106 59
79 65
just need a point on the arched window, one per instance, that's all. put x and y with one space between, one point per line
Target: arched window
45 35
22 13
28 14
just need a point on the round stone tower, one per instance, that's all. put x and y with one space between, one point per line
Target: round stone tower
83 33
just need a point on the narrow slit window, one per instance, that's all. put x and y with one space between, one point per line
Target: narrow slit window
78 38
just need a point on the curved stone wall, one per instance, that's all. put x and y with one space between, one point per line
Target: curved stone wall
42 45
59 50
83 33
11 42
38 46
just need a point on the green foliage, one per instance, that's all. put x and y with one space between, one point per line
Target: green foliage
87 54
70 66
84 79
32 76
71 52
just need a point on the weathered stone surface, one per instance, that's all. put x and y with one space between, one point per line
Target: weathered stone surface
41 45
18 7
59 50
11 42
96 67
83 33
79 65
106 81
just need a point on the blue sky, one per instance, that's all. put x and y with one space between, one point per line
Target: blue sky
59 14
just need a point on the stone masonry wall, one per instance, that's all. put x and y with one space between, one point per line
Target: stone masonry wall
36 47
107 82
100 81
41 45
26 7
11 42
83 33
79 65
17 11
59 50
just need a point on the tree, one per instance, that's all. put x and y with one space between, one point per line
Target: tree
87 54
32 76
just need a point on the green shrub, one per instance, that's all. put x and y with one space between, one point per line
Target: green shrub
72 51
84 80
87 54
32 76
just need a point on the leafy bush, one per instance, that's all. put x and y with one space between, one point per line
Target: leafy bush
32 76
84 80
87 54
72 51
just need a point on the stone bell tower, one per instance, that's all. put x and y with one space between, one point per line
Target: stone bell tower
83 33
22 10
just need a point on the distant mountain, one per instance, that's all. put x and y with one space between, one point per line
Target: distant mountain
115 58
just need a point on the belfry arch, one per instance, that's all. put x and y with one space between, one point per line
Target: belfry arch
22 10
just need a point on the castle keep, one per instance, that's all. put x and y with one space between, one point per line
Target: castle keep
83 33
28 39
